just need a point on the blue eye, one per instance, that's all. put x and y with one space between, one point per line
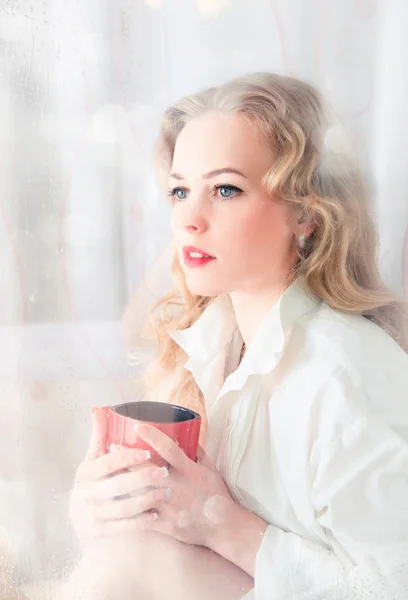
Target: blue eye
178 193
223 191
227 191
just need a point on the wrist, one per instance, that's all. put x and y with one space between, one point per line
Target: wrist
238 536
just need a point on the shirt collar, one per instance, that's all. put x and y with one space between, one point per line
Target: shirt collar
212 331
215 328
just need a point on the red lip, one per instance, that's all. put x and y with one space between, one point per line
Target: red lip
190 261
188 249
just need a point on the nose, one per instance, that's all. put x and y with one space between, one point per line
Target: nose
192 218
196 227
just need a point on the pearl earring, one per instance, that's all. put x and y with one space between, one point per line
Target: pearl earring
301 240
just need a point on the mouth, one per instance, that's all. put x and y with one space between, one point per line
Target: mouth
195 257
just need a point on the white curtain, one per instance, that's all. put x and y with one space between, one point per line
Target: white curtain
84 232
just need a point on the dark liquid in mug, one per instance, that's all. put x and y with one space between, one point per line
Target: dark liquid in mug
155 412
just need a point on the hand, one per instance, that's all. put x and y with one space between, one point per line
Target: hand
200 502
113 492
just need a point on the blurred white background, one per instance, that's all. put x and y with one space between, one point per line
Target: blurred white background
84 233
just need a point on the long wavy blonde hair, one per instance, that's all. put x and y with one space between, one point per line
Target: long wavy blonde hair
339 259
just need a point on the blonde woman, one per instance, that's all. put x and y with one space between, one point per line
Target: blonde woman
280 329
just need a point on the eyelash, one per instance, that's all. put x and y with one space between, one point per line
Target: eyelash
234 188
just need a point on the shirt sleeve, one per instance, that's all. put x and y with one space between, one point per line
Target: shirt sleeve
360 503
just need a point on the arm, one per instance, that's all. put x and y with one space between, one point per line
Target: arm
240 537
360 500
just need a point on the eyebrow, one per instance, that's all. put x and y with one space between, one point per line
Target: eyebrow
213 173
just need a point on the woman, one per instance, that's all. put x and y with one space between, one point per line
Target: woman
280 329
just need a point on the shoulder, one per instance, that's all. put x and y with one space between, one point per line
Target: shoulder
349 369
353 343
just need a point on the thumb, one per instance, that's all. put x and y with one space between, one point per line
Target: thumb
99 435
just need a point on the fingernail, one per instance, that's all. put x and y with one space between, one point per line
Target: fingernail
163 494
142 455
160 473
113 448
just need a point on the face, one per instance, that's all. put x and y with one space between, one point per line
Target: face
221 209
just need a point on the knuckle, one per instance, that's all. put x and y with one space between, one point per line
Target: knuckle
136 482
80 474
111 461
114 487
106 488
120 460
128 459
143 521
137 506
145 477
167 495
140 504
121 484
149 500
123 510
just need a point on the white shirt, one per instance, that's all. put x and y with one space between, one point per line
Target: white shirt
310 432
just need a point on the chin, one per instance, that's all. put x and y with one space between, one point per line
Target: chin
204 291
200 288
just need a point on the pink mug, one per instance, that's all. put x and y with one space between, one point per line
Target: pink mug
180 424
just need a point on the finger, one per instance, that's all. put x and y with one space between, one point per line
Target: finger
112 462
127 508
129 482
164 446
170 520
124 527
99 435
204 459
163 525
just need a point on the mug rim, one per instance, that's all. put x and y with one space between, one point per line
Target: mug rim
194 415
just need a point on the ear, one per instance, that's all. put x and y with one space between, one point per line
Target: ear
302 225
307 230
304 228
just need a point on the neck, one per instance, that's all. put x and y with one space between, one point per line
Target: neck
252 307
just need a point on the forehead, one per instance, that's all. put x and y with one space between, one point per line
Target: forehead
217 140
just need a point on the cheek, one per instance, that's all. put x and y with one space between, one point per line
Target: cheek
173 223
263 232
176 229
